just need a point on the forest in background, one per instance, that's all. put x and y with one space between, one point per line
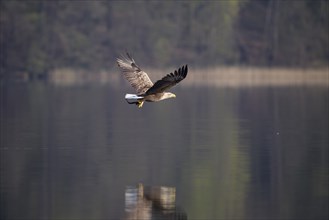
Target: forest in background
40 36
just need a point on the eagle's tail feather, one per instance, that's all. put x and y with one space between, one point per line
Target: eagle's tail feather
134 99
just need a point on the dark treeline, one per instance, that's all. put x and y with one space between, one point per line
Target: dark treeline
39 36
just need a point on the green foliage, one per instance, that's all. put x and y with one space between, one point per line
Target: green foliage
285 33
37 36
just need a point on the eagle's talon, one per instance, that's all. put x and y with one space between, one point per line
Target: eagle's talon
140 104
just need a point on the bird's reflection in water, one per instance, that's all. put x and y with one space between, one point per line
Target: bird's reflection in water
152 203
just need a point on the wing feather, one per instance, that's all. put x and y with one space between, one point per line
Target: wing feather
137 78
168 81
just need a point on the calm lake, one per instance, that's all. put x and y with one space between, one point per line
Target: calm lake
230 153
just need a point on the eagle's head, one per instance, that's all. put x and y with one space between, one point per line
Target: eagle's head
168 95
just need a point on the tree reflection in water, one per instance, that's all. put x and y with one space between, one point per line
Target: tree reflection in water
152 202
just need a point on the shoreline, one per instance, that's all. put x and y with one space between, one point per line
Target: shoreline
217 76
239 76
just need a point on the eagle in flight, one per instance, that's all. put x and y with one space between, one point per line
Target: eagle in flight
145 89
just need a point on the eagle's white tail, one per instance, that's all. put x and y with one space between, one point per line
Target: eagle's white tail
132 98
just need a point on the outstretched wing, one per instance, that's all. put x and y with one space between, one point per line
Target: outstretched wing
137 78
168 81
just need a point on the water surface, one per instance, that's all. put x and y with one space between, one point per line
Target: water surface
231 153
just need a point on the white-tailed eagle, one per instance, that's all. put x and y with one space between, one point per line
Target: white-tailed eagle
146 90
